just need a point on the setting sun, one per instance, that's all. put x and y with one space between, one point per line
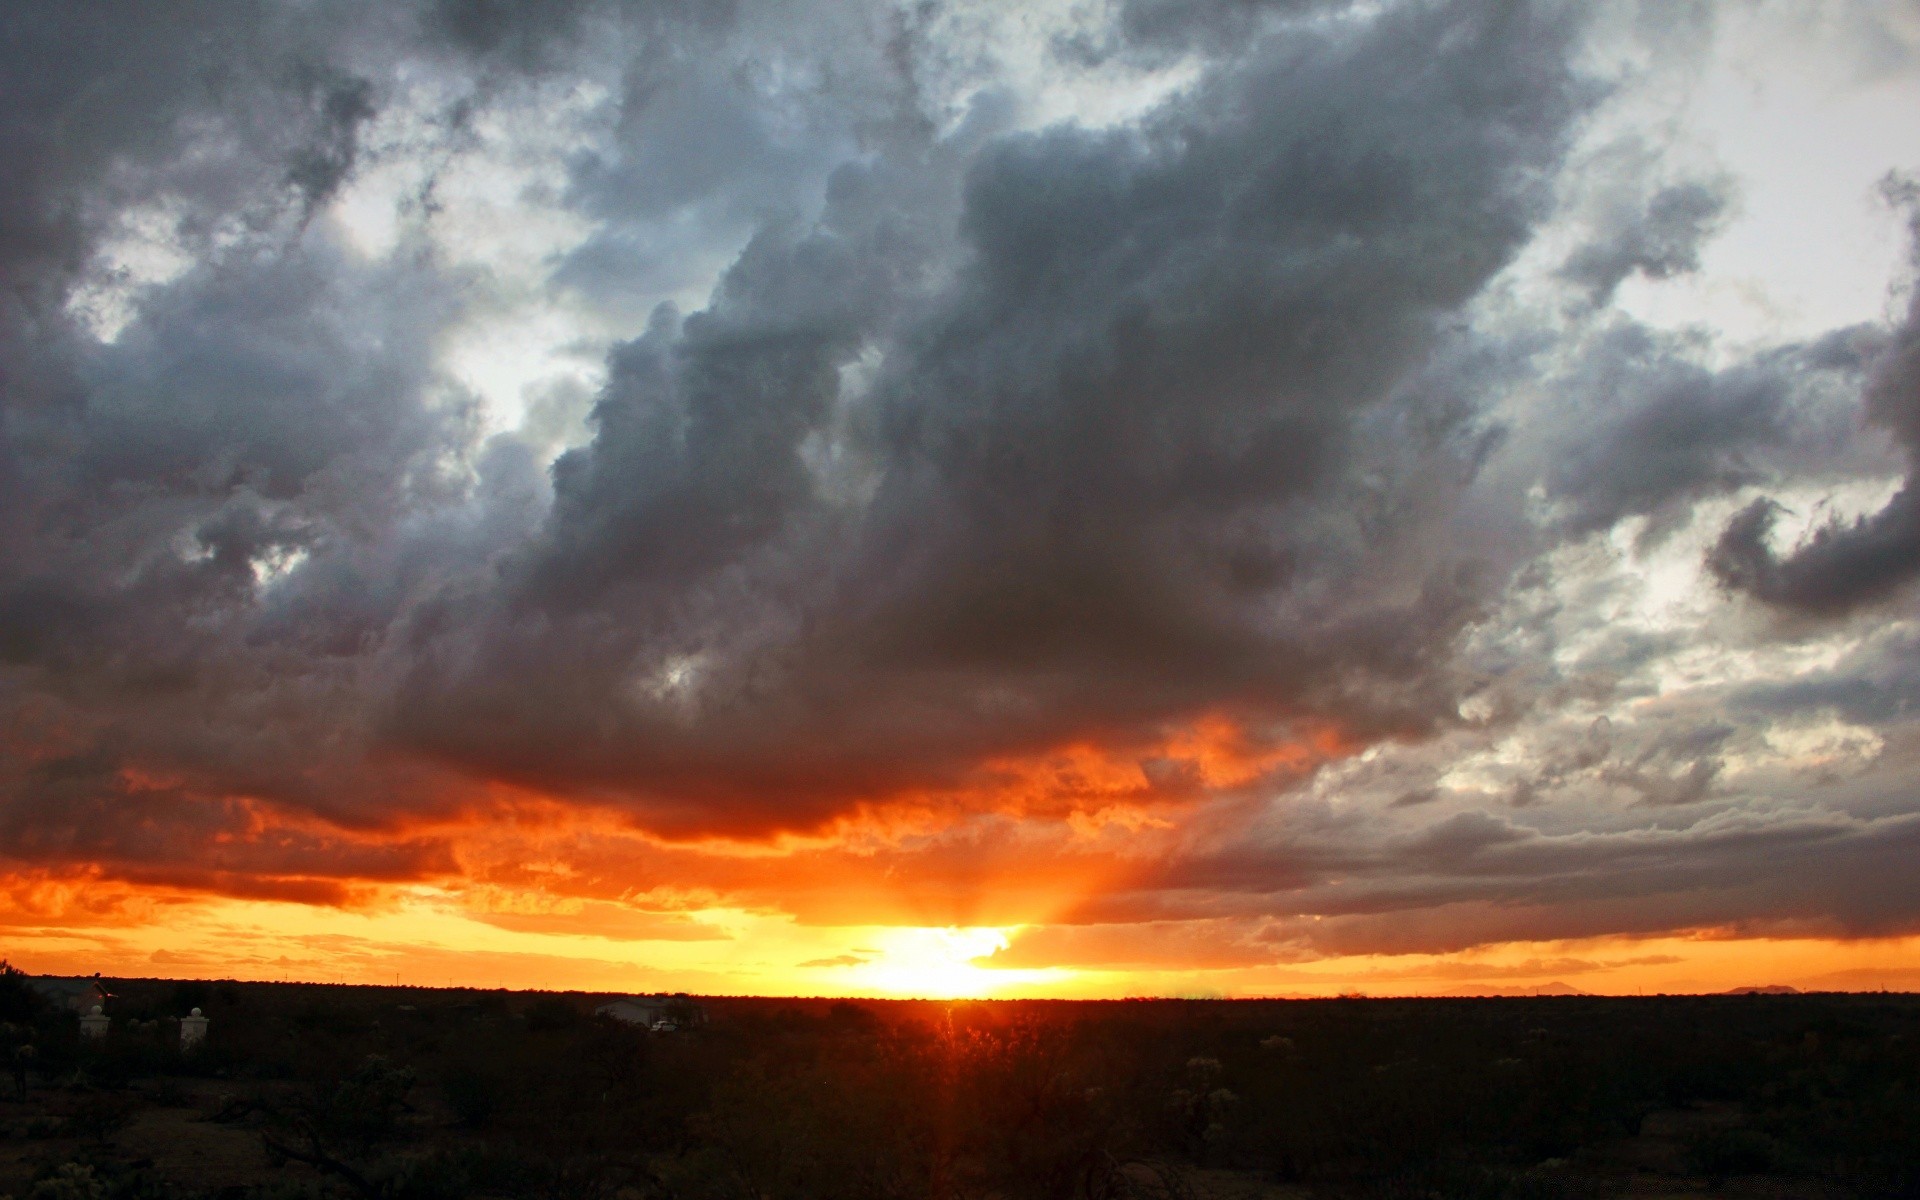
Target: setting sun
945 964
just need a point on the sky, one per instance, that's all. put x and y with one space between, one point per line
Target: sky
953 498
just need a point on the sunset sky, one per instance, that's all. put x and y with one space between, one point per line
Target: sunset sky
962 498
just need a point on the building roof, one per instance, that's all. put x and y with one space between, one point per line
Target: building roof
78 990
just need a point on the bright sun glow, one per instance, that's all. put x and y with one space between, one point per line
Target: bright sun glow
944 964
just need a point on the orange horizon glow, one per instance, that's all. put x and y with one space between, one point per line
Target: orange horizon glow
428 937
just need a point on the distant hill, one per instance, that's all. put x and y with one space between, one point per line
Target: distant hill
1556 988
1771 989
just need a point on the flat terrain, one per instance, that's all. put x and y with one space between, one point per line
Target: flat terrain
314 1091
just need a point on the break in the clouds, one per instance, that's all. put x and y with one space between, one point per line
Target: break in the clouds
1263 480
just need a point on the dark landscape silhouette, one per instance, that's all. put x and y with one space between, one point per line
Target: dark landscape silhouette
317 1090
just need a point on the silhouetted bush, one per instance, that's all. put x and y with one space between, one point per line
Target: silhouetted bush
1726 1152
19 1003
551 1012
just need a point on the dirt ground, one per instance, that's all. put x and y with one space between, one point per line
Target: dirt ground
180 1132
173 1133
1649 1166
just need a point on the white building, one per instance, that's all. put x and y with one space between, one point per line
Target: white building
660 1011
94 1025
193 1030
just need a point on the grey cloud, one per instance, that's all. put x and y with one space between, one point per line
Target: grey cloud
1659 239
724 120
203 517
1464 835
320 167
1128 442
1671 759
1845 565
1841 567
521 35
1876 684
1157 29
1477 878
1644 430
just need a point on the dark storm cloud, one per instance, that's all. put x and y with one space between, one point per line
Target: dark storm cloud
523 35
1476 878
271 411
1110 440
1642 428
1846 564
1159 29
1842 566
1664 429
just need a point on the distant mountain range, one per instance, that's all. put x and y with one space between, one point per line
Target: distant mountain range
1556 988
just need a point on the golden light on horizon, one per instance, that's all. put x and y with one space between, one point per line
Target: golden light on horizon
428 937
946 964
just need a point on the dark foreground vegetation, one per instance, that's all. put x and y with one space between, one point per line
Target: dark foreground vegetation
308 1090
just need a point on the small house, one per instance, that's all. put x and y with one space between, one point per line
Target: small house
76 994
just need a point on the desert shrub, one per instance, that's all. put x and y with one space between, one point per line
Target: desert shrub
1725 1152
433 1176
472 1092
551 1012
1048 1112
187 995
19 1003
366 1108
855 1125
69 1181
101 1114
98 1179
1460 1180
